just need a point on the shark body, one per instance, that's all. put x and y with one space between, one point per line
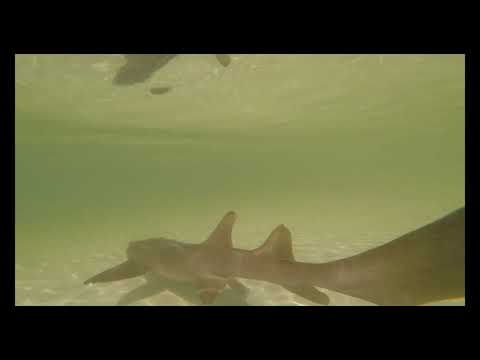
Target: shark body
422 266
207 268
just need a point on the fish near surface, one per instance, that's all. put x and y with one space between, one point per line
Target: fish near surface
140 67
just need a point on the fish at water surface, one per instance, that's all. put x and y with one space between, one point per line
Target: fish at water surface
140 67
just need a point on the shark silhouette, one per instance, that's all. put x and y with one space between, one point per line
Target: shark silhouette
422 266
140 67
183 268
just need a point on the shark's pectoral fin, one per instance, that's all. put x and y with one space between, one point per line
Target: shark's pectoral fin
224 59
125 270
209 288
142 292
310 293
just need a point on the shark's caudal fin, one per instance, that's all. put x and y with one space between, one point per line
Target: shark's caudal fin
279 246
125 270
222 235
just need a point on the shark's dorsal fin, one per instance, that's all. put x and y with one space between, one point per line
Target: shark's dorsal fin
278 244
222 235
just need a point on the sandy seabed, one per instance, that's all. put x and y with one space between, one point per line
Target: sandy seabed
61 284
48 284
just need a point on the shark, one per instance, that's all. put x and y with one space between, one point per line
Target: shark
422 266
189 270
140 67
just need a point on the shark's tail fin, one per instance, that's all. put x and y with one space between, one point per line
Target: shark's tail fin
279 246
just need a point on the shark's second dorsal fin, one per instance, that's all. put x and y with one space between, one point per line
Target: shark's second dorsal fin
278 244
222 235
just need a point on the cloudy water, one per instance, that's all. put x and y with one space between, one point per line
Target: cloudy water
348 151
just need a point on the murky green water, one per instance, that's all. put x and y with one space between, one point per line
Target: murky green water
348 151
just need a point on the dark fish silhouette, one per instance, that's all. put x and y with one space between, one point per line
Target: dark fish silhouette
423 266
140 67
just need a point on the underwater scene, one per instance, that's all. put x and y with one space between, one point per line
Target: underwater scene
239 179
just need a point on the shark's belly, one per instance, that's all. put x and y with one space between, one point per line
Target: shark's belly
177 273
